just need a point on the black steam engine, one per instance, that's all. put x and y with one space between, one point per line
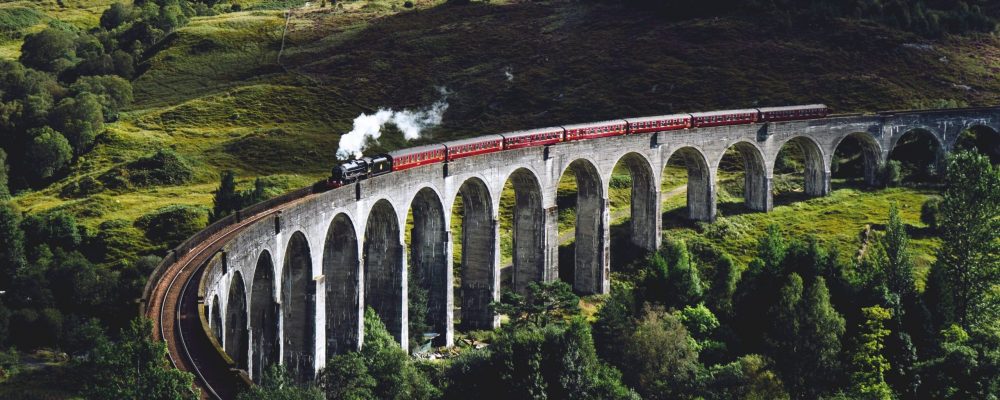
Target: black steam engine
359 169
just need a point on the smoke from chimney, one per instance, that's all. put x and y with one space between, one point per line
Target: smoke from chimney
411 123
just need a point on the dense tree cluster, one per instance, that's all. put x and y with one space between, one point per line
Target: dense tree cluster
67 83
57 277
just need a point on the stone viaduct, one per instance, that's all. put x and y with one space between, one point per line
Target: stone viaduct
292 287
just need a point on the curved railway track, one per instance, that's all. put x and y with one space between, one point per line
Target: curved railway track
173 308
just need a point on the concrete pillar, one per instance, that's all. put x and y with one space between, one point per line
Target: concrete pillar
449 328
817 183
341 277
297 306
528 233
592 234
701 194
429 260
757 188
551 244
264 320
385 274
236 337
480 272
645 205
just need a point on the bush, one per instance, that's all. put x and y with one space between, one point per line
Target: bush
162 168
929 212
892 173
171 225
80 119
113 93
51 50
48 153
82 187
621 181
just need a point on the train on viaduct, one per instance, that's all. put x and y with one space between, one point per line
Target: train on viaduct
287 281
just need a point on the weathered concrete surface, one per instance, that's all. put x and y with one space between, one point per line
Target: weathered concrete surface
313 268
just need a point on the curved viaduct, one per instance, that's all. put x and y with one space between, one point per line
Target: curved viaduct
289 284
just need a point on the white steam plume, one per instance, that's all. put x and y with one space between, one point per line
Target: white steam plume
410 122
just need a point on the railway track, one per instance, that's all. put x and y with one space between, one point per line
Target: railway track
173 308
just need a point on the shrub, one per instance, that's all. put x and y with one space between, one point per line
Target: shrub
162 168
173 224
80 119
48 153
892 173
51 50
82 187
929 212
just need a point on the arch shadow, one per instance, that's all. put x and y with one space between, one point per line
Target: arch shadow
298 296
383 263
341 271
264 317
477 269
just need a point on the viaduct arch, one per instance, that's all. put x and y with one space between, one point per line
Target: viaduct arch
314 262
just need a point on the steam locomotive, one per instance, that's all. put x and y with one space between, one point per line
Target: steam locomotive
367 167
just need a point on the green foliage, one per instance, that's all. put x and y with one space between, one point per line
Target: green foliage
113 93
672 279
228 199
556 361
4 171
15 19
804 337
661 360
614 320
136 367
719 296
80 119
891 173
967 273
967 365
12 255
171 225
277 384
165 167
894 261
749 377
417 310
390 366
545 303
870 363
116 15
55 229
51 50
346 377
930 212
48 153
700 324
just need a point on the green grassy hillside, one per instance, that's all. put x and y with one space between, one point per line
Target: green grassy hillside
218 93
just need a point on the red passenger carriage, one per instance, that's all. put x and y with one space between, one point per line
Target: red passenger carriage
474 146
724 117
658 123
416 156
773 114
595 130
533 137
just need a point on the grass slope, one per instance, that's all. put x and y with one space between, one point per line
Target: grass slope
219 96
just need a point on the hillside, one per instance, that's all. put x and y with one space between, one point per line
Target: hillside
219 95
